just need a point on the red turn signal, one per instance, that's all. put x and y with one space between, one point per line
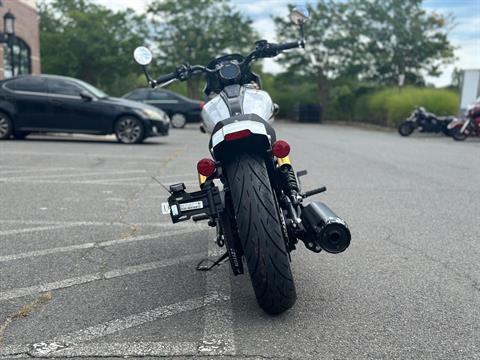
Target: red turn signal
206 167
280 148
238 135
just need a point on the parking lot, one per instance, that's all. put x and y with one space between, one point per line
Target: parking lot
89 267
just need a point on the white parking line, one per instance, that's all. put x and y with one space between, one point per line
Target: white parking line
116 180
39 169
36 229
90 223
73 182
80 280
83 156
218 335
90 245
80 174
136 349
116 325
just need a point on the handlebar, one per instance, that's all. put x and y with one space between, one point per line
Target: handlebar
263 49
291 45
166 78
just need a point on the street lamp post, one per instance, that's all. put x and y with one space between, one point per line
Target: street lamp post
9 35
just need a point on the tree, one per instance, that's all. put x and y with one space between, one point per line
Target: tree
331 48
368 40
90 42
195 31
402 39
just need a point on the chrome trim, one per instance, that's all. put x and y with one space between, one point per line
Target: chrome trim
49 94
465 125
161 101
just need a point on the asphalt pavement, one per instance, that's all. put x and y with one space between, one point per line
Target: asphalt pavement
90 268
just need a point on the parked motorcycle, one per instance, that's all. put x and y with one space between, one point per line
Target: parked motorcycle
470 125
259 212
425 121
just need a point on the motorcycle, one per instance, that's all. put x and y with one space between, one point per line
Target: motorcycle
425 121
470 125
259 214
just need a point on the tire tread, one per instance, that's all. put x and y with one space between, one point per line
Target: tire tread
260 233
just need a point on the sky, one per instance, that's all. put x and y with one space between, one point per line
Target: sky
465 36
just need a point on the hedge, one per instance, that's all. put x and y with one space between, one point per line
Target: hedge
391 106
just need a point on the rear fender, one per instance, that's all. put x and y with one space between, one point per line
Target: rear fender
455 123
261 136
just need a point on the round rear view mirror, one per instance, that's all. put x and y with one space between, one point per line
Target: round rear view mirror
142 55
299 15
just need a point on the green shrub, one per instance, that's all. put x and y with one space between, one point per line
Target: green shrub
391 106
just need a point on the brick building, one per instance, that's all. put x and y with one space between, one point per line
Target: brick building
26 43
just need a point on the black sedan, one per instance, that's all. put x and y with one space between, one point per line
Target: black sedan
50 103
180 108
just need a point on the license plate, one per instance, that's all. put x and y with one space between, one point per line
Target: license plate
191 206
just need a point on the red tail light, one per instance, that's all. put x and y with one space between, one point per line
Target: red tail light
202 104
238 135
280 148
206 167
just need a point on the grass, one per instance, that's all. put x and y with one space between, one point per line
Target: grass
391 106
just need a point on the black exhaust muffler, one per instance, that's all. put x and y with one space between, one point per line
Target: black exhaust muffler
324 229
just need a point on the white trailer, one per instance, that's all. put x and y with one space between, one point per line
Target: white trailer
469 89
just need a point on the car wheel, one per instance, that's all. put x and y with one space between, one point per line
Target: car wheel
6 126
178 121
129 130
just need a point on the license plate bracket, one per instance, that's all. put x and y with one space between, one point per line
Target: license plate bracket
183 205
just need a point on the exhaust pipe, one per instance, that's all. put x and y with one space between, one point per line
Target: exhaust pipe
325 230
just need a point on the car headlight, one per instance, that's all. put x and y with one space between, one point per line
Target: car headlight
152 114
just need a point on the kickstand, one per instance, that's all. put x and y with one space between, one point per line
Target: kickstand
202 266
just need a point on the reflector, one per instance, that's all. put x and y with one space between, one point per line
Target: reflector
280 148
238 135
206 167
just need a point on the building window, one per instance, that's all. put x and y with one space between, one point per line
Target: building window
21 58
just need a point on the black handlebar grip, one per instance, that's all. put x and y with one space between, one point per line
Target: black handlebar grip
290 45
165 78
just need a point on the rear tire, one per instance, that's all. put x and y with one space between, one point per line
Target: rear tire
458 135
261 233
6 126
406 128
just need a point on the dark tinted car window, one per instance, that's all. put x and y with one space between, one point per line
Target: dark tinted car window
160 95
31 84
62 87
137 95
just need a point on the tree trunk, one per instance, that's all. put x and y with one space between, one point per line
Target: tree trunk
323 87
193 89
